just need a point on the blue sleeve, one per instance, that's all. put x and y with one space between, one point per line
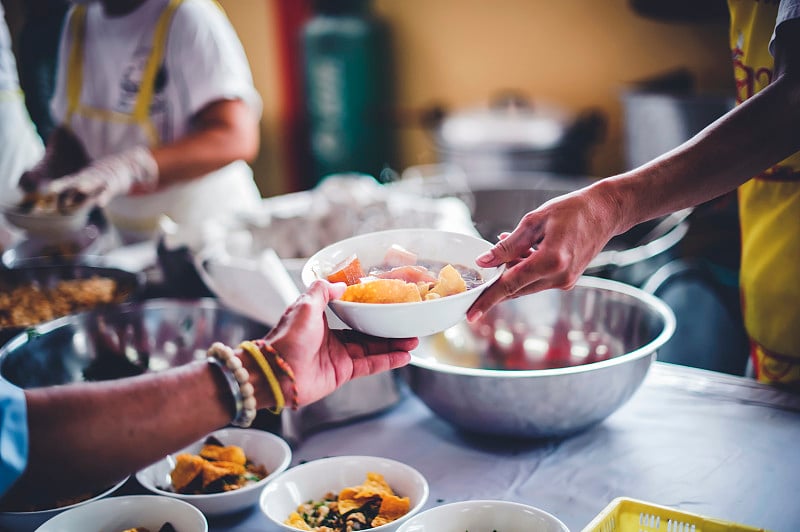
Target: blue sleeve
13 434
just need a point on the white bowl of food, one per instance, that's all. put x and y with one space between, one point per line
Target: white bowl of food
385 492
222 473
40 216
138 512
31 514
403 282
502 516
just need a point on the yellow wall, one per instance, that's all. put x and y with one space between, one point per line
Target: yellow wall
577 53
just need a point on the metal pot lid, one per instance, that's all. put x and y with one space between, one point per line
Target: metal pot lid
509 123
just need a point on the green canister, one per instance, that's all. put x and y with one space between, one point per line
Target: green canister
346 75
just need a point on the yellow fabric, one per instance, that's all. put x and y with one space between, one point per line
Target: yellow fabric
141 111
769 208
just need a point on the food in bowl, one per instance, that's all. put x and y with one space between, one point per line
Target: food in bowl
402 277
310 480
361 507
216 468
484 516
166 527
32 303
409 319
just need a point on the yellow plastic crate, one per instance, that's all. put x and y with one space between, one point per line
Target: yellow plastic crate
624 514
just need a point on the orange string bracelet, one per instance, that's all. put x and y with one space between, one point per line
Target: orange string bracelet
253 350
283 366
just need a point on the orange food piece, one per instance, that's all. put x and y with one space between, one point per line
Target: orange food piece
382 291
187 467
229 453
348 271
392 508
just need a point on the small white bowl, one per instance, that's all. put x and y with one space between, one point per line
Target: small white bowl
261 447
312 480
480 516
44 225
122 513
403 320
31 520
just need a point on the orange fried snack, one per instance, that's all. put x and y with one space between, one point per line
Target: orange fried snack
187 467
382 291
296 521
229 453
216 470
348 271
392 506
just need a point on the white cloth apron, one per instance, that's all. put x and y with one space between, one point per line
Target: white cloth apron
105 132
20 146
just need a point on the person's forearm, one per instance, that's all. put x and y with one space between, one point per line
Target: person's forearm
93 438
746 141
224 132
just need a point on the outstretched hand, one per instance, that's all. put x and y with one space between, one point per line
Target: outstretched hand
550 248
324 359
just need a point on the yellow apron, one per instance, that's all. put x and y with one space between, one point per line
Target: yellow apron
106 131
769 209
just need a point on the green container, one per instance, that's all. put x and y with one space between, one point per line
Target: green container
346 74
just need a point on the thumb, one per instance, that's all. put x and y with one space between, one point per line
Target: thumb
322 291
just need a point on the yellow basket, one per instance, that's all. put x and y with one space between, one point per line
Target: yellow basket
629 515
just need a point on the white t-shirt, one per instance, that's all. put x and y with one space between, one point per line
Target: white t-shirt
203 62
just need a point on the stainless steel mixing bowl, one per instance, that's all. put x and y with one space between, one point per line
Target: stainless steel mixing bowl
544 365
125 340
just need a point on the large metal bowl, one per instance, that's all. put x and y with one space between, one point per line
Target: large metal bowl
125 340
543 365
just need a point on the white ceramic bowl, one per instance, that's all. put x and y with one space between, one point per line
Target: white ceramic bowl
30 520
122 513
312 480
484 516
41 225
401 320
259 446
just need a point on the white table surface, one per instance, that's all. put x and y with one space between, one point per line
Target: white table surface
702 442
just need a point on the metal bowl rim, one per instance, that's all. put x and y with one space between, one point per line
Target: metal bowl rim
586 281
162 302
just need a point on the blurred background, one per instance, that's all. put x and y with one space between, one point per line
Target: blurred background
455 55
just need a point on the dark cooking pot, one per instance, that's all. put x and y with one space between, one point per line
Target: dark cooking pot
514 135
630 257
45 274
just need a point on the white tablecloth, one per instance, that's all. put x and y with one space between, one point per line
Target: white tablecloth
701 442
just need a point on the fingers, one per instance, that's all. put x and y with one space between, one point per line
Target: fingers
370 354
514 245
371 365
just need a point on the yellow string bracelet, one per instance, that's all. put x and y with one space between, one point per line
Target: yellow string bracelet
253 350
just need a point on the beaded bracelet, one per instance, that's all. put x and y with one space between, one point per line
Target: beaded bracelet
238 379
282 365
266 369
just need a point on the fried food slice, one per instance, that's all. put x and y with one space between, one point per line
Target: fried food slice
297 522
356 496
228 453
187 467
392 508
213 471
450 282
382 291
